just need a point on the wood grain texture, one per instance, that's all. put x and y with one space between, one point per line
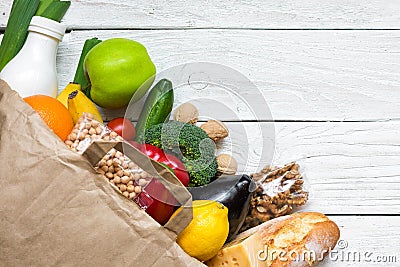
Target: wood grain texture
258 14
303 75
351 168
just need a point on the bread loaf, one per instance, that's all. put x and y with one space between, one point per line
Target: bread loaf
301 239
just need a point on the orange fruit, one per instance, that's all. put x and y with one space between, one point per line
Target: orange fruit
54 114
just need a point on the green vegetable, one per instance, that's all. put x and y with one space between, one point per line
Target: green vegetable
53 9
43 4
156 109
200 171
80 76
14 37
189 143
21 15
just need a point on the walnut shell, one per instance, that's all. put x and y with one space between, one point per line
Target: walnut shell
187 113
216 130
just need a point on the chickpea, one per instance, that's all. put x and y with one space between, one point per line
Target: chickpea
111 169
122 187
117 179
104 168
89 116
136 176
73 137
81 136
99 130
92 131
138 189
130 188
131 165
142 182
125 179
116 162
102 163
120 172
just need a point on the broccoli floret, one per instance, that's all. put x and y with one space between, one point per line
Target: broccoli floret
189 143
200 173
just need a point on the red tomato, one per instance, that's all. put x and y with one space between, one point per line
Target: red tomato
123 127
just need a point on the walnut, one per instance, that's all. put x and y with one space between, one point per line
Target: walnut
226 164
186 112
278 191
216 130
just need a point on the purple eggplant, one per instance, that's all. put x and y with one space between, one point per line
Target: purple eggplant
232 191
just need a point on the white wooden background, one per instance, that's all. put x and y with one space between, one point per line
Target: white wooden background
329 70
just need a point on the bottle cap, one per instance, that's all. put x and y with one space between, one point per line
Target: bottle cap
47 26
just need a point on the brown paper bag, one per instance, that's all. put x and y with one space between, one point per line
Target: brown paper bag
55 210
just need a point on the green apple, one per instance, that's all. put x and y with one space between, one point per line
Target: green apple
118 69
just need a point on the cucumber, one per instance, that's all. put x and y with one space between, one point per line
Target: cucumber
156 109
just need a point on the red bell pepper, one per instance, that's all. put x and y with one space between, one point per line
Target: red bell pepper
170 160
158 202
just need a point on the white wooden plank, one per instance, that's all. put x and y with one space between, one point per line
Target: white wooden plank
374 238
270 14
303 75
350 168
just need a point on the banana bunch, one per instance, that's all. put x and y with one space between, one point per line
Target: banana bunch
78 103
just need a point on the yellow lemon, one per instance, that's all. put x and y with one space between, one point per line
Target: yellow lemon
207 232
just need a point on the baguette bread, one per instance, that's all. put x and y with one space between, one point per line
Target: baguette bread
301 239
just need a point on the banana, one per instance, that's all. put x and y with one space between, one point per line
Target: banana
63 96
79 103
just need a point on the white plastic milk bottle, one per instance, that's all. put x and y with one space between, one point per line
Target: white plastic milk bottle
33 70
